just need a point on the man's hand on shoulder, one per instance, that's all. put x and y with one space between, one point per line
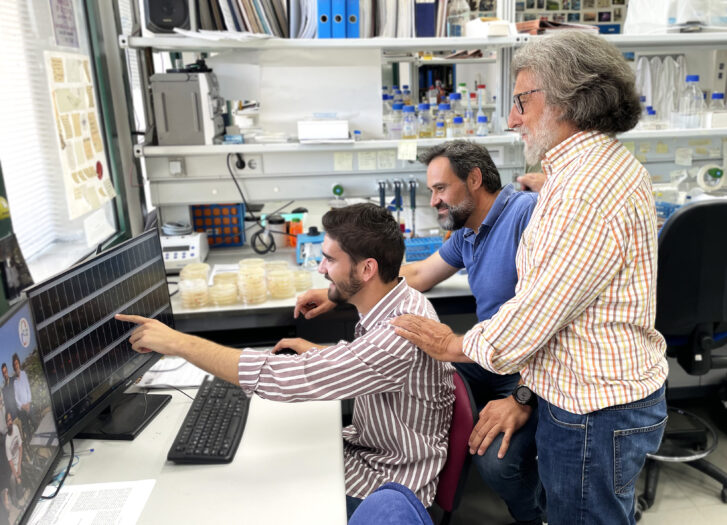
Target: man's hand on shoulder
500 416
434 338
313 303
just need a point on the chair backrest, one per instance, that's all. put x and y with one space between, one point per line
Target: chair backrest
453 476
391 504
691 293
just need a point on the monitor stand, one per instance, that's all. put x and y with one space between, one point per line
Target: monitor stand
125 417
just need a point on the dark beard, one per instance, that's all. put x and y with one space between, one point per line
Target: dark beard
344 290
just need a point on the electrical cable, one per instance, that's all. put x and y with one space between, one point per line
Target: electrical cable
262 241
65 474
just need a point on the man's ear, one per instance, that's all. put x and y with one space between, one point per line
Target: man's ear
369 269
474 179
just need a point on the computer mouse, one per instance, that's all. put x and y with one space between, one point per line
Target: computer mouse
286 351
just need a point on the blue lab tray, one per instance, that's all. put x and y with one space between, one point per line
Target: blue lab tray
419 248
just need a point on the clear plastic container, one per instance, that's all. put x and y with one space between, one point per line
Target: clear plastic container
424 122
439 130
458 14
193 293
195 271
691 105
409 128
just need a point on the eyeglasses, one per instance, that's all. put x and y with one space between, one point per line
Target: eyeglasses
519 103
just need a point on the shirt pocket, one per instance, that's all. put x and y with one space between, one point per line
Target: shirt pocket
630 447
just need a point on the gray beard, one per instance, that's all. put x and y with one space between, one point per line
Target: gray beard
457 216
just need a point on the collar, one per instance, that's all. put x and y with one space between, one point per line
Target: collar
567 151
383 307
495 211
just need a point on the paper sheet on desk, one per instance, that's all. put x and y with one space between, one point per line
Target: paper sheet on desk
172 372
118 503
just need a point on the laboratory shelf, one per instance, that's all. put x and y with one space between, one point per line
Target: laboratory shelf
294 147
647 134
184 43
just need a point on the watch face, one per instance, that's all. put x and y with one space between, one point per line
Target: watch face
523 395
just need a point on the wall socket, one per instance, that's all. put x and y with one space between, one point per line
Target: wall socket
253 165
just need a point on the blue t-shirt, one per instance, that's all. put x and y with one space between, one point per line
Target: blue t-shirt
489 255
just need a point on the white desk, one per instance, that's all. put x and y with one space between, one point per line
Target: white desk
287 470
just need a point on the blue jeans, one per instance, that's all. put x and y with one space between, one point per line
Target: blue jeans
589 463
352 504
515 477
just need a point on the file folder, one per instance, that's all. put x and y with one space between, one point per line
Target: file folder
324 18
338 18
352 19
425 18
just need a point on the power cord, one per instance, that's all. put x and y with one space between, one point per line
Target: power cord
262 241
65 473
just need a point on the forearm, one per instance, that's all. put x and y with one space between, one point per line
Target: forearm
214 358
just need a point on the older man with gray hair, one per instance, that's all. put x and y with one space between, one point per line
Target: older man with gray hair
580 328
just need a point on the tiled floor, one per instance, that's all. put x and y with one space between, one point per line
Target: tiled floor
684 496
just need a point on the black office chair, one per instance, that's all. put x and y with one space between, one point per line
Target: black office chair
691 313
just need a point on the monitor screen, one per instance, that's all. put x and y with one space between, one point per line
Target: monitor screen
85 351
29 444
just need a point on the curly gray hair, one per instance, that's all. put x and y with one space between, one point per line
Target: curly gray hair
585 77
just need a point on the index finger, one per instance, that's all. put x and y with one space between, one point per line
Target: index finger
138 319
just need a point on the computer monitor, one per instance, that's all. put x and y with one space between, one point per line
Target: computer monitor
29 446
85 352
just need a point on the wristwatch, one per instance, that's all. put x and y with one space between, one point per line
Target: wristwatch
525 396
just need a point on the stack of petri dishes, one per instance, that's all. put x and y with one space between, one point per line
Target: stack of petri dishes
195 271
193 292
223 291
251 281
193 285
281 284
303 280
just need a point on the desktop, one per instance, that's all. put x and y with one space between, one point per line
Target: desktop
85 352
29 446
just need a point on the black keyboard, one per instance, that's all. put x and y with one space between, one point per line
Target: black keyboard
213 427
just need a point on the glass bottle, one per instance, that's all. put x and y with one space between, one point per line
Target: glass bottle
424 122
457 127
691 104
409 123
396 121
482 130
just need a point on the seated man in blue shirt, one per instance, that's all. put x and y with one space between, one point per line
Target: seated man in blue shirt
487 221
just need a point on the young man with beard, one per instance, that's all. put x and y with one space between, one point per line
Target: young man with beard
404 398
487 221
580 328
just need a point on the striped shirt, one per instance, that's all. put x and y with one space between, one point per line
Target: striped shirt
403 397
580 328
